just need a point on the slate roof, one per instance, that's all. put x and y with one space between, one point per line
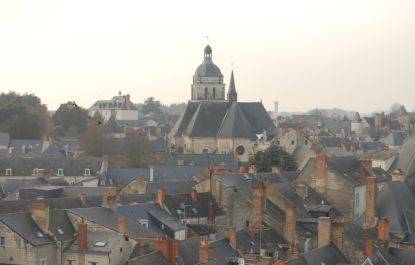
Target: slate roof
204 160
189 252
406 159
23 225
405 257
218 119
381 257
112 125
110 238
4 138
356 118
32 147
154 258
198 208
329 254
394 198
395 138
109 219
171 187
208 69
24 166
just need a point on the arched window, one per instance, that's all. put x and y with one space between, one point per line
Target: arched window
214 93
87 172
240 150
206 93
9 172
60 171
205 151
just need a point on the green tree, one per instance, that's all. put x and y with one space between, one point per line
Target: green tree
151 106
22 116
138 147
273 156
92 140
71 118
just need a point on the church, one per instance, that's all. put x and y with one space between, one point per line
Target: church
212 123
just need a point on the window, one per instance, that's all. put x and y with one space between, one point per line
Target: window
43 262
214 93
93 263
206 93
87 172
2 241
292 142
240 150
35 171
8 171
205 151
60 172
306 142
120 249
71 262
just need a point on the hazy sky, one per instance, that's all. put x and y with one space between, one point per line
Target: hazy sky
352 54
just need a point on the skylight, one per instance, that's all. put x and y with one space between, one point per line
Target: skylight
39 234
100 244
60 231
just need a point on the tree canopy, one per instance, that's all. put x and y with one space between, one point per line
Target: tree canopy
71 119
151 105
273 156
22 116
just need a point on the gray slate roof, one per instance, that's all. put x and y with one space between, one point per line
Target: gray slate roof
154 258
4 138
329 254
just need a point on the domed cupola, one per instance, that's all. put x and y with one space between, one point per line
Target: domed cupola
208 80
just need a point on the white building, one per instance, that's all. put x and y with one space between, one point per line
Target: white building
121 104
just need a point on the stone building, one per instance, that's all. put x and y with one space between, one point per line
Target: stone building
213 124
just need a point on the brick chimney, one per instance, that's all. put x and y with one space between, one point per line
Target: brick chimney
40 214
208 179
324 231
337 232
204 251
211 216
169 248
193 194
161 194
289 229
82 197
368 247
82 236
378 121
122 227
398 175
109 200
321 173
258 203
367 164
383 229
230 233
370 213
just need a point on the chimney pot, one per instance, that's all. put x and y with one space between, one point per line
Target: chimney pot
368 247
193 194
289 230
122 227
258 203
383 229
40 214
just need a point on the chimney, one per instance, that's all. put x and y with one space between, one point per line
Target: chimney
151 172
324 231
208 179
367 164
302 190
276 169
211 216
321 173
169 248
368 247
161 194
82 236
289 230
383 229
337 233
204 251
40 214
82 197
193 194
243 170
370 213
398 175
252 169
258 204
109 200
378 121
106 200
122 227
230 233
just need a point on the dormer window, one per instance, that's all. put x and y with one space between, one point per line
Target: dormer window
9 172
60 171
87 172
35 171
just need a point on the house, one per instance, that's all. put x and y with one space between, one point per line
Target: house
384 159
328 254
121 105
342 180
